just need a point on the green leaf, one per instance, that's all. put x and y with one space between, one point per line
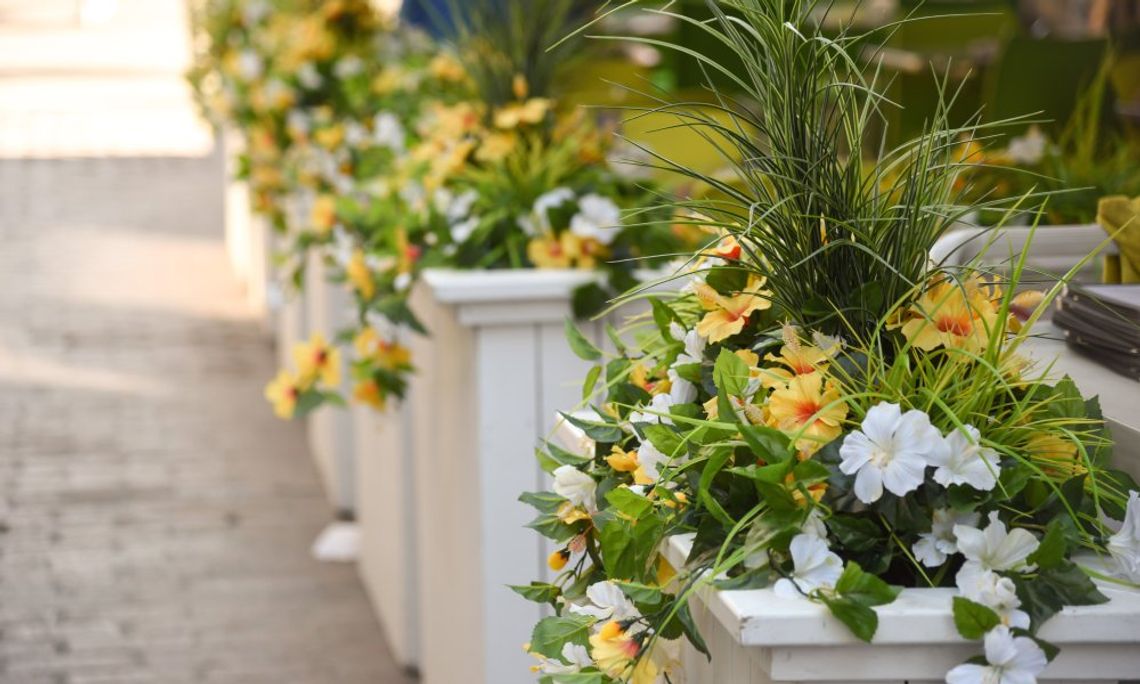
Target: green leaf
642 593
606 433
575 678
588 300
662 316
730 374
543 502
861 620
973 620
590 382
767 443
307 402
1044 594
664 438
863 587
717 460
690 629
619 344
552 527
552 633
539 592
855 533
626 547
563 457
1054 546
628 502
582 347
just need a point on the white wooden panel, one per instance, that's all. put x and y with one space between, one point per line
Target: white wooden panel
260 272
330 428
387 525
446 498
508 404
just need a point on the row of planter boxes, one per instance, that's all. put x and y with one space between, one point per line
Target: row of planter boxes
434 483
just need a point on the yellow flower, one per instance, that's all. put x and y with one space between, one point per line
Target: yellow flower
797 359
807 404
384 354
495 147
446 68
727 314
615 653
557 560
952 315
552 251
665 571
1057 456
569 514
531 112
390 79
368 392
282 392
316 360
323 214
329 137
360 276
519 87
1023 306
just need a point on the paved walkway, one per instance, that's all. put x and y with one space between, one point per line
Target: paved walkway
155 519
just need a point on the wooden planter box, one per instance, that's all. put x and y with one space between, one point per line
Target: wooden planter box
756 637
388 561
328 309
490 378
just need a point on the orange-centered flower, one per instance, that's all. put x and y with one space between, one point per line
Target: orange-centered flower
323 214
282 392
727 315
360 276
316 360
810 408
955 315
367 392
615 653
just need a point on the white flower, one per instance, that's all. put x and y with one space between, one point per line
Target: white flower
993 591
414 196
576 487
650 459
995 549
254 11
249 65
656 412
388 132
549 200
816 567
402 281
598 217
348 67
462 230
966 461
297 121
935 546
814 524
607 603
1124 546
308 76
460 206
694 344
1012 660
892 450
1027 149
355 134
574 658
681 391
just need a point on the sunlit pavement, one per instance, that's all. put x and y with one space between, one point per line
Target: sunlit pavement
154 518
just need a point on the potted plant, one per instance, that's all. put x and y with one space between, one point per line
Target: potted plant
827 459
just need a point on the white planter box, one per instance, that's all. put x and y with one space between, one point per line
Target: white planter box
237 207
387 522
328 309
490 378
756 637
1053 249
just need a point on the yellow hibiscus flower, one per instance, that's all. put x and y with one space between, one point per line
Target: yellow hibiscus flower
615 653
807 404
552 251
282 392
531 112
360 276
495 147
952 315
323 214
367 392
316 360
727 314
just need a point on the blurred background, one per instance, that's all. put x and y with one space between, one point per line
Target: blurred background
155 519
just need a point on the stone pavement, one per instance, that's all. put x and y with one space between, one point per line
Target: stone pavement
155 519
